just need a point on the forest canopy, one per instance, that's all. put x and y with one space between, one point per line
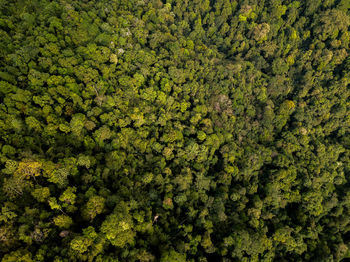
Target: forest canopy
174 130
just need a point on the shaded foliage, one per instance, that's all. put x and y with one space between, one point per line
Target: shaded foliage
174 130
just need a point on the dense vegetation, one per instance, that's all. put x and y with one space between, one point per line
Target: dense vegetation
178 130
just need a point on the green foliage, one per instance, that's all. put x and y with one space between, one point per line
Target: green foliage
174 130
173 256
93 207
63 221
119 228
41 194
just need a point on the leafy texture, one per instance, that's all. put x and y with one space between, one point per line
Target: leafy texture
148 130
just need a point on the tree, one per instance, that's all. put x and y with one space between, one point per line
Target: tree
93 207
118 227
63 221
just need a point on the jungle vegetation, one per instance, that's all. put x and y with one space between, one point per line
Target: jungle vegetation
174 130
